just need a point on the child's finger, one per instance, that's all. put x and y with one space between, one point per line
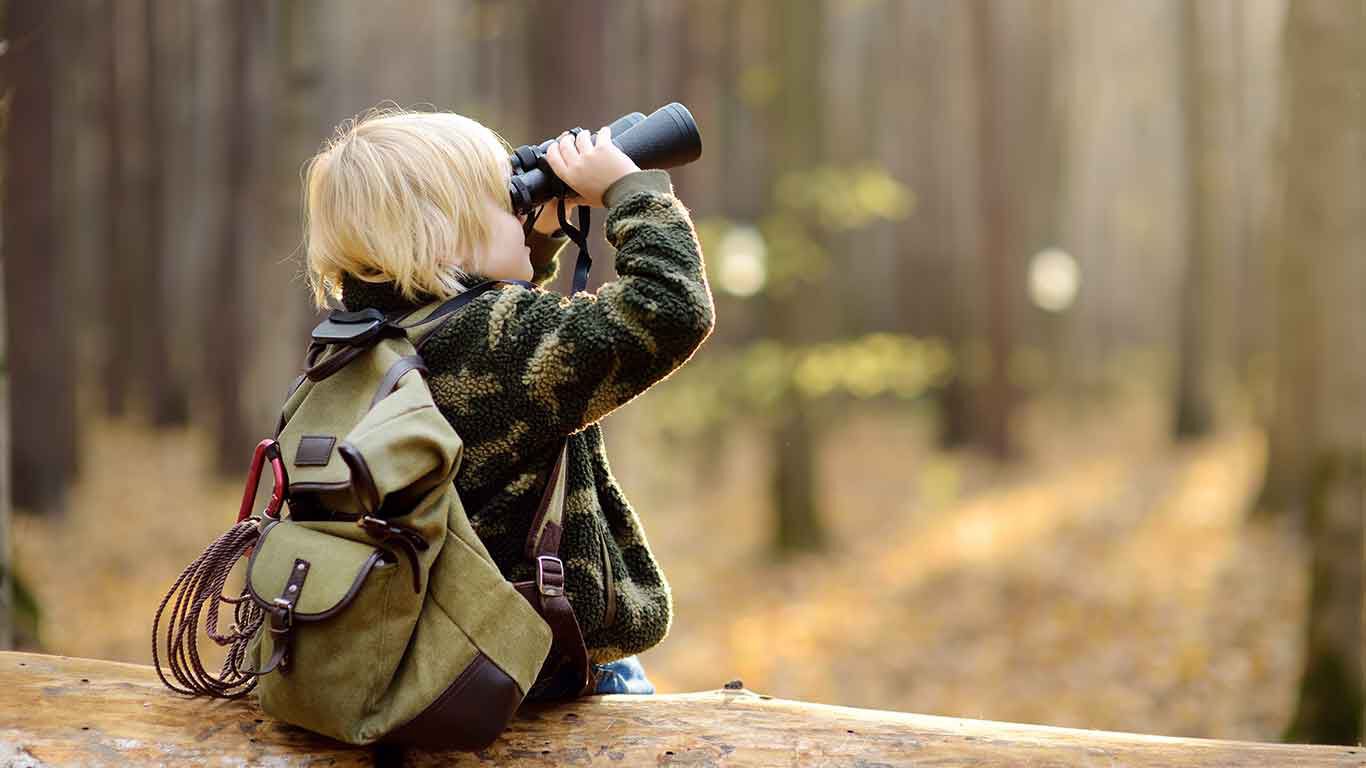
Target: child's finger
567 147
584 141
604 136
552 156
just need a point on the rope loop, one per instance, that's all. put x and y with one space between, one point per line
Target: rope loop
199 584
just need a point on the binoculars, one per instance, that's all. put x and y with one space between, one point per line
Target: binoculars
666 139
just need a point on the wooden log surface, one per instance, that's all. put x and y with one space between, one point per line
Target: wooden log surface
56 710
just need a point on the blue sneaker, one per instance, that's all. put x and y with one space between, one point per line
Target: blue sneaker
623 676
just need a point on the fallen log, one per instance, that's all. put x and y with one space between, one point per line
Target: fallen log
56 710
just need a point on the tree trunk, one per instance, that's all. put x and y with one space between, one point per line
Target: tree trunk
994 406
6 549
797 130
116 342
1322 275
227 319
133 335
65 711
948 190
1194 415
39 339
293 124
163 380
168 325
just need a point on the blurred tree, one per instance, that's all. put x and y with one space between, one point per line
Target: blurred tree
117 343
1206 105
39 339
288 128
167 69
941 253
6 549
1317 462
994 404
137 331
81 139
796 126
171 202
224 33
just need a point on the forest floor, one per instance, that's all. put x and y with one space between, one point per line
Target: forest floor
1105 580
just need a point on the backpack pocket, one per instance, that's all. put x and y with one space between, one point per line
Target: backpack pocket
491 644
337 624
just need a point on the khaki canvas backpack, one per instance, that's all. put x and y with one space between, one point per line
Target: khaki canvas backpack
370 610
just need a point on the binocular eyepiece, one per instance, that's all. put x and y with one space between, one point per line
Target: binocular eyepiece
667 138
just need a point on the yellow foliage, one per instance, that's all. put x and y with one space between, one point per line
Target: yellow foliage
845 198
753 379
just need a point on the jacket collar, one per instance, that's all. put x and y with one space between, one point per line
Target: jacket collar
384 296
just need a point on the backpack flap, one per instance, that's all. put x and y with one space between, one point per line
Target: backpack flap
336 569
401 451
299 575
357 451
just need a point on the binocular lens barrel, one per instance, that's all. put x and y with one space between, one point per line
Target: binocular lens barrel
667 138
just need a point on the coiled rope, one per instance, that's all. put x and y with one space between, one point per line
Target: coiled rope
200 584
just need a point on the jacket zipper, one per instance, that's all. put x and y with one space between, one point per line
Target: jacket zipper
610 614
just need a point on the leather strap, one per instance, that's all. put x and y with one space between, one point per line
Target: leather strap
566 669
396 371
281 618
280 423
419 326
319 368
549 511
567 666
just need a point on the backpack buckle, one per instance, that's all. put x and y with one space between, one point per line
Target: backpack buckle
282 619
549 576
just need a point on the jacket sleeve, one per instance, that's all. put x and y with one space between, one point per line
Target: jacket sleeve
577 358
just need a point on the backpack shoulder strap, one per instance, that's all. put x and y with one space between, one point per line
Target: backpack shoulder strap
424 321
570 668
546 526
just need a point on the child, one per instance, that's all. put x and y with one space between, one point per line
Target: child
406 208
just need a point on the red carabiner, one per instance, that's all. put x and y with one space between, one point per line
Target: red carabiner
266 449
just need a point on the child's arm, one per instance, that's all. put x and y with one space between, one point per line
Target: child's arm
544 365
583 356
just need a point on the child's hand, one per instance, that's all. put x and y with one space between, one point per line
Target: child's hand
589 166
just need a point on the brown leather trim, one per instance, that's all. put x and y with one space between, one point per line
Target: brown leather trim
468 715
534 545
568 657
340 485
397 371
350 595
550 539
314 450
361 479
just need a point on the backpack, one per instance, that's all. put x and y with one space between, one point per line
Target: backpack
371 612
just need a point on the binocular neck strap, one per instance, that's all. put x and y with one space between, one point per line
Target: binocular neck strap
579 235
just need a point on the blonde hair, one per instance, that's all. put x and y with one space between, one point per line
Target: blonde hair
398 195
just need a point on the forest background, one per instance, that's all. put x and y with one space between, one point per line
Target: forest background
1037 392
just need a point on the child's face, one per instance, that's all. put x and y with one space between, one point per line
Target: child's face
507 256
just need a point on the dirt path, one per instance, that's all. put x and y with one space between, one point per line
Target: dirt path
1112 585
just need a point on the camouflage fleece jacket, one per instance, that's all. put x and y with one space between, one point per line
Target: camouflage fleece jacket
519 368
